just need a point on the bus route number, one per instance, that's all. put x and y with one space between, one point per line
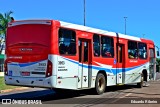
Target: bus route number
42 64
61 62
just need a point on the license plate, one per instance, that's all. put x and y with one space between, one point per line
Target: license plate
25 73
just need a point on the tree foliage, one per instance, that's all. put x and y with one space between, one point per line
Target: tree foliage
158 61
4 20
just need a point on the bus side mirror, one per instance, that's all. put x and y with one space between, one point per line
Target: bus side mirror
157 53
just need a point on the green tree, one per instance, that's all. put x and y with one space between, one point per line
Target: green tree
4 20
158 65
158 61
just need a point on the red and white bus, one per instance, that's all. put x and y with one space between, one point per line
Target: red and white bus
60 55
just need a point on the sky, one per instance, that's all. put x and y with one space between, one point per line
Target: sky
143 16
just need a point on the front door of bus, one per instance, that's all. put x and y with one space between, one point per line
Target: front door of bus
151 63
83 74
120 64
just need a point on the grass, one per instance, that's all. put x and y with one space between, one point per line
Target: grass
3 86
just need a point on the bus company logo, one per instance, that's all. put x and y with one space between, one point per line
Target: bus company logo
26 49
120 40
6 101
61 62
85 35
15 57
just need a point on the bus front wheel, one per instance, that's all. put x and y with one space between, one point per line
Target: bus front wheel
100 84
140 84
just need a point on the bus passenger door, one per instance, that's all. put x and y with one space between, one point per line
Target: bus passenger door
83 72
120 64
152 63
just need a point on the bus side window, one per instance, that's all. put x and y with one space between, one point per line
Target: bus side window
72 47
96 45
67 42
62 48
85 52
132 50
142 50
107 49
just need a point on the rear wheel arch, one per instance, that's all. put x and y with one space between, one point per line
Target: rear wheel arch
104 73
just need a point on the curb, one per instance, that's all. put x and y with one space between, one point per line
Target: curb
15 89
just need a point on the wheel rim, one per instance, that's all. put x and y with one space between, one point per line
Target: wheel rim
101 84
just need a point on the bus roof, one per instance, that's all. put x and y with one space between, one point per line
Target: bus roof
21 22
78 27
97 31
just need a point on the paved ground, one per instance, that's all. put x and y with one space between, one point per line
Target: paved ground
120 96
157 75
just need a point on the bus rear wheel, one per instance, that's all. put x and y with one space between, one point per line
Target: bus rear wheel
100 85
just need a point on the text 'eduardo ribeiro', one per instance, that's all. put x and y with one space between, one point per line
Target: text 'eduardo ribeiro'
145 101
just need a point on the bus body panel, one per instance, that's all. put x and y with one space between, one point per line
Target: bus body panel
67 73
33 55
31 81
31 69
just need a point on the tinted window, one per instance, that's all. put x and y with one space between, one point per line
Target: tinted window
132 50
142 50
80 50
67 42
151 53
96 45
107 46
85 52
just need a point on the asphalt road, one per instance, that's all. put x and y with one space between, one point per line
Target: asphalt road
115 96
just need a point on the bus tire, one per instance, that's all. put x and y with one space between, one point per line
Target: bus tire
140 84
100 84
